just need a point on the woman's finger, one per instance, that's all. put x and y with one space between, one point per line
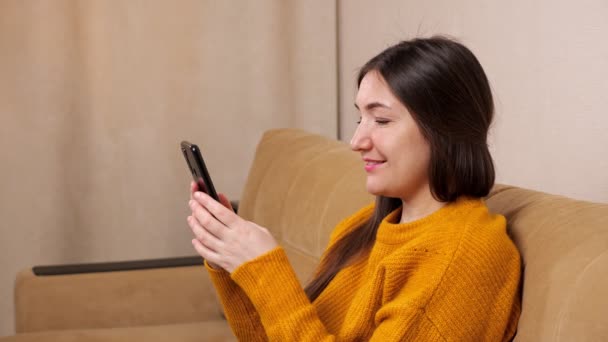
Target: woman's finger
225 201
208 221
202 235
193 189
224 215
205 252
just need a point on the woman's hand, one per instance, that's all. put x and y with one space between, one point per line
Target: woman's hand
225 202
223 238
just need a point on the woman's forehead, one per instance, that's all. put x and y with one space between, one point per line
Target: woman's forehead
374 92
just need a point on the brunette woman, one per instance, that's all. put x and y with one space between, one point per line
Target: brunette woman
426 261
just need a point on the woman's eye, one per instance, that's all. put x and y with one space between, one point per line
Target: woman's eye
382 121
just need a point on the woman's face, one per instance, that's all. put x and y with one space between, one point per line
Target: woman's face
395 153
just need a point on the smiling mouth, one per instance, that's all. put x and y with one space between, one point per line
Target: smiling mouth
370 162
370 165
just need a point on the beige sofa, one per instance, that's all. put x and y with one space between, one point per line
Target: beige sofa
300 186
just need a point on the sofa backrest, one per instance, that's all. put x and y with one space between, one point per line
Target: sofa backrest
301 185
564 248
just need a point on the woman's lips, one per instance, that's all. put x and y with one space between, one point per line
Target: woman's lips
370 165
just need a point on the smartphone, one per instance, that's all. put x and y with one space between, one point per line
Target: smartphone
197 167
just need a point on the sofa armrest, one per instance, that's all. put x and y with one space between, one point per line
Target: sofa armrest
113 298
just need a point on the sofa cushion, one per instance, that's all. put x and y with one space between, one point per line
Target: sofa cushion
300 186
564 248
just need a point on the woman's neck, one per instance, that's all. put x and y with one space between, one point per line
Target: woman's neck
419 206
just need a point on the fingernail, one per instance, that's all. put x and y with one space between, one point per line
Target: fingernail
198 194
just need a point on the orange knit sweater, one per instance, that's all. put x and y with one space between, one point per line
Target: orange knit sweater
451 276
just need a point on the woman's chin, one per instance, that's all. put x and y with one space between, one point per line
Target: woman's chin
378 190
375 190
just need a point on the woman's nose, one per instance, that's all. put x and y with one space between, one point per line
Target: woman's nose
360 140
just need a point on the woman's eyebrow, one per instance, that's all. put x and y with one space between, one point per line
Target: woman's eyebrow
373 105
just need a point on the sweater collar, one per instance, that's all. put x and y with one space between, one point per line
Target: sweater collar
392 232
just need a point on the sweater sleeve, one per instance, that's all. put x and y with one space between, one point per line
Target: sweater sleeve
240 312
284 309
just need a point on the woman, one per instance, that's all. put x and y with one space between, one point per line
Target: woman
427 261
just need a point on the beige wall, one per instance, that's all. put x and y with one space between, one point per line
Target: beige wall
96 95
547 61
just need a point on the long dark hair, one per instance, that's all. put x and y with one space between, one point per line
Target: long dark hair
445 89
